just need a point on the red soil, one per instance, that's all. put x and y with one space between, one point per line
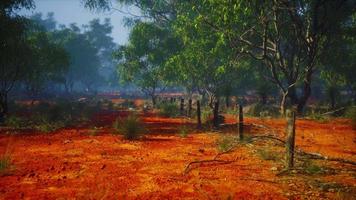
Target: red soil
71 164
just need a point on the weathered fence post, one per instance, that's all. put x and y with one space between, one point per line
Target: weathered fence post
290 140
216 114
171 100
198 114
240 123
182 106
189 107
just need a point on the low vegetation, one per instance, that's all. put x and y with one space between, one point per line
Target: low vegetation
130 127
168 109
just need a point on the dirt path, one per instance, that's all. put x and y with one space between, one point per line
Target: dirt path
72 164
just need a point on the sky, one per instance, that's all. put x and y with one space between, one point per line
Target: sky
73 11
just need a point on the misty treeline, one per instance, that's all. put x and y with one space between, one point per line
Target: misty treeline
40 58
288 49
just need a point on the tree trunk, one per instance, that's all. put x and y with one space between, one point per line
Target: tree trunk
189 107
216 114
240 123
303 100
198 114
283 104
3 107
227 101
290 140
182 106
153 98
263 99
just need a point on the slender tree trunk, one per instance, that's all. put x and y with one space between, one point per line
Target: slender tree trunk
216 114
290 140
3 107
303 100
153 98
189 107
283 103
198 114
240 123
227 101
182 106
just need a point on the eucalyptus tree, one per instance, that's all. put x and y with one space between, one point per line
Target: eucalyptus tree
84 60
48 62
288 37
142 60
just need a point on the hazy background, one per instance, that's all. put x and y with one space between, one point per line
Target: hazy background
73 11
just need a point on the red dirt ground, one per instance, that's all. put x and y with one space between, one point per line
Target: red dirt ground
72 164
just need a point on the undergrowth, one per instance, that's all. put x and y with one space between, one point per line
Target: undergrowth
183 131
130 127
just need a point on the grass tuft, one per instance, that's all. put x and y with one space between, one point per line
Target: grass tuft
131 127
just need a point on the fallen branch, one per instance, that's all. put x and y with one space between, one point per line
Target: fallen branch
333 111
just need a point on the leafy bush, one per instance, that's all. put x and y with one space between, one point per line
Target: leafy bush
267 154
183 131
168 110
131 127
351 113
15 122
206 114
5 163
225 143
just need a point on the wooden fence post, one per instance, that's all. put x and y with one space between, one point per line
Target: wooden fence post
240 123
198 114
290 140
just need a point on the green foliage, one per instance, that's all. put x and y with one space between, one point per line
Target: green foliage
225 143
267 154
168 110
5 163
206 114
183 131
130 127
311 168
15 122
351 113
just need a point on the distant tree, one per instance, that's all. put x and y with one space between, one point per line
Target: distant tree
84 60
142 60
48 62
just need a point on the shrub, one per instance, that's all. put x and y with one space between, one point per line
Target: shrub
351 113
267 154
131 127
15 122
5 163
206 114
183 131
225 143
168 110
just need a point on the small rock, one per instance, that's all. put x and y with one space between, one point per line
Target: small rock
102 167
274 169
